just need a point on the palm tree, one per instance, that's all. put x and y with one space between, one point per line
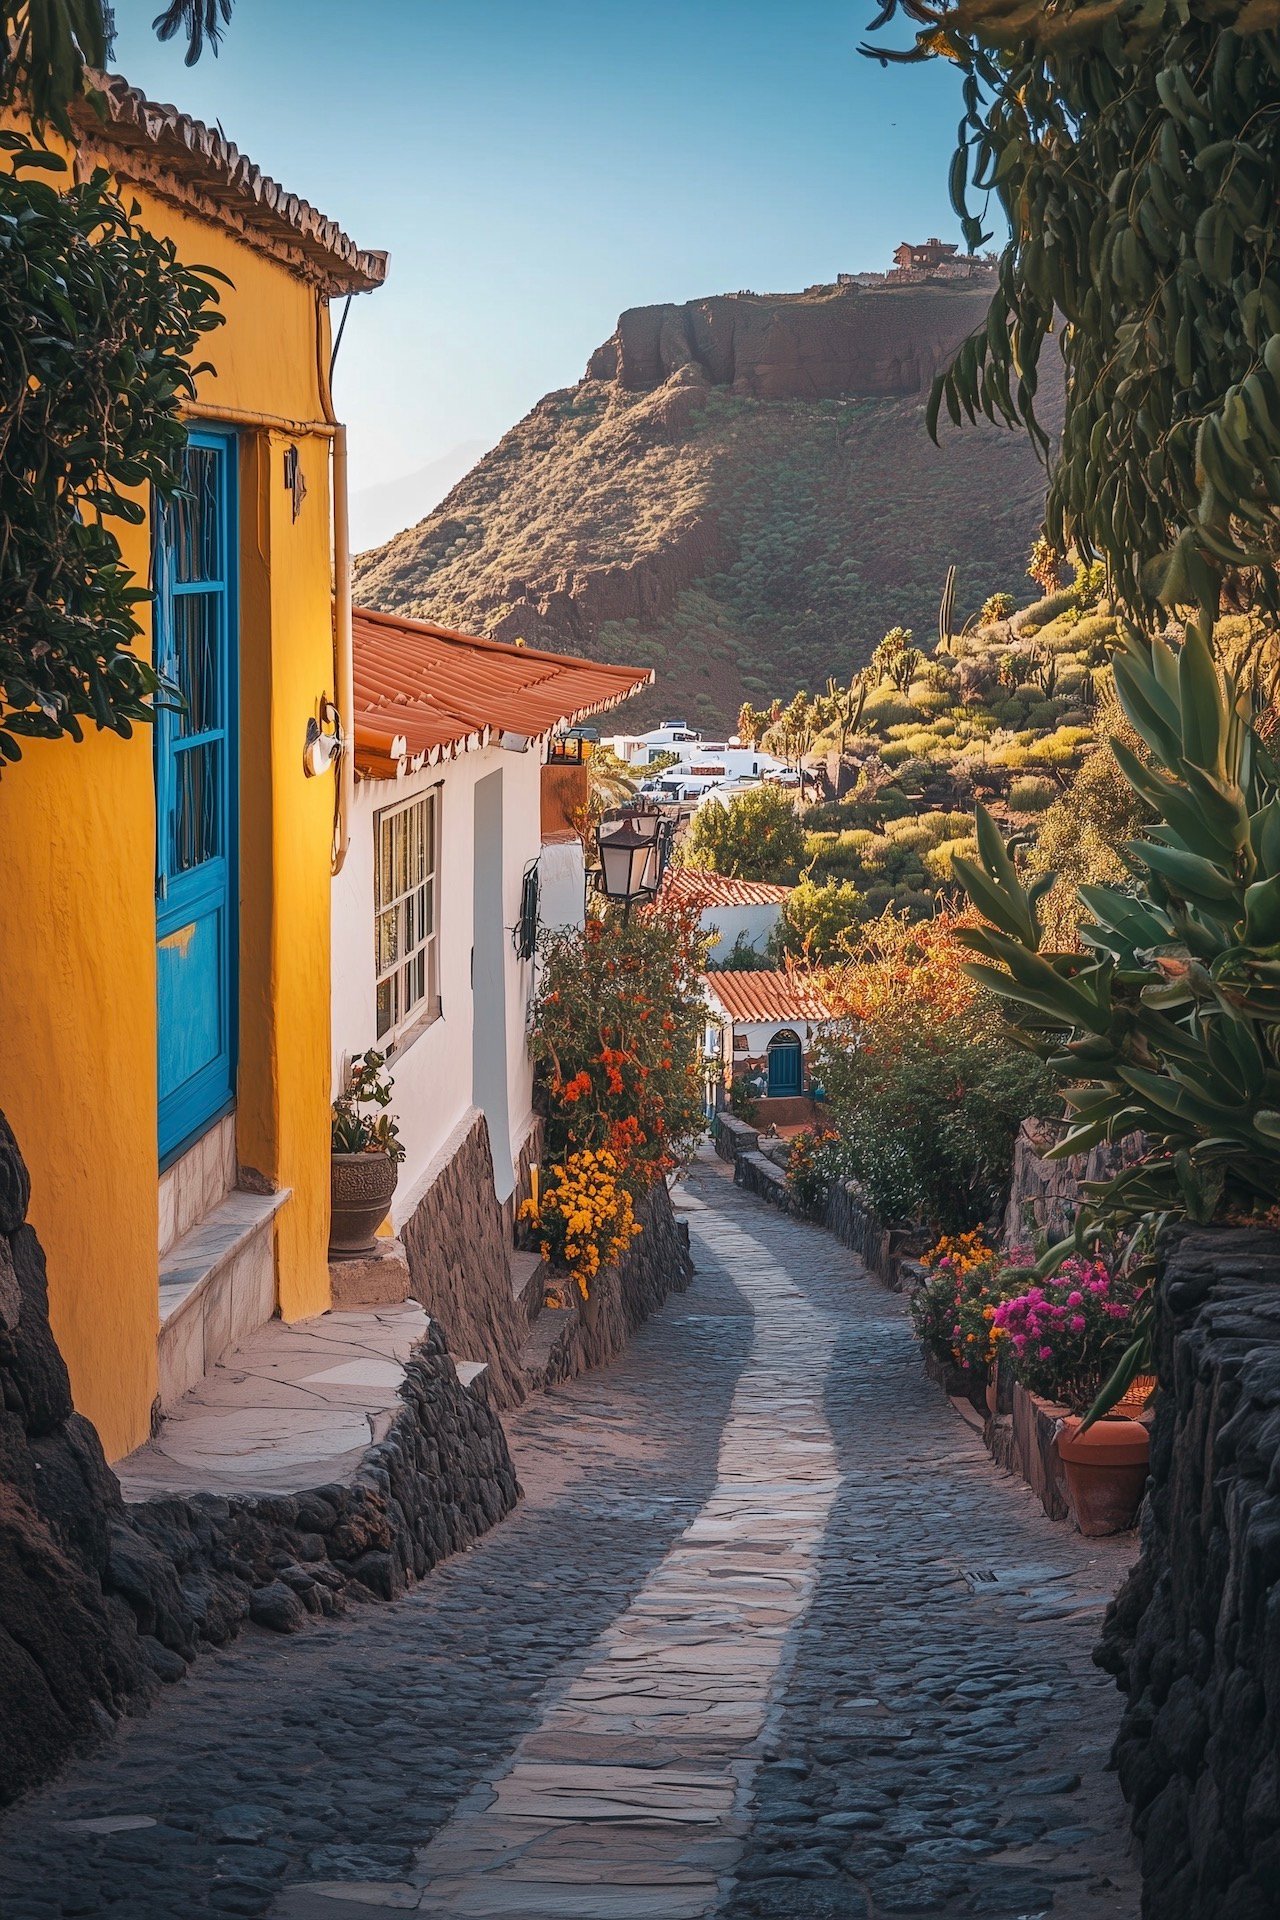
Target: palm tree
46 46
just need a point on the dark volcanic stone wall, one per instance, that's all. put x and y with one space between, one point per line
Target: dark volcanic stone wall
98 1600
70 1661
1194 1636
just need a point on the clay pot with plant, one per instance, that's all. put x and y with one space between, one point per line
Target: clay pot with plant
1063 1339
366 1155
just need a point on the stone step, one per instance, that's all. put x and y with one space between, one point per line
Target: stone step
470 1372
528 1279
550 1334
293 1406
217 1287
378 1279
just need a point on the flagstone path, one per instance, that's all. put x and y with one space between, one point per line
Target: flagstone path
769 1639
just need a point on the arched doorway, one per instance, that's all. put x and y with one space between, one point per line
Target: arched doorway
785 1069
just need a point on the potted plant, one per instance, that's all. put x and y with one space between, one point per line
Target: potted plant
1063 1338
366 1153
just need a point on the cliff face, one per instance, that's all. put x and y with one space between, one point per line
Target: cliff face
823 345
740 492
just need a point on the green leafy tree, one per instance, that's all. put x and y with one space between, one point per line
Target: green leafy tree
50 48
1133 150
98 323
819 920
757 836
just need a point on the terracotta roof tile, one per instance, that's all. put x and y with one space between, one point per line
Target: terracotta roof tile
198 166
748 997
701 889
425 693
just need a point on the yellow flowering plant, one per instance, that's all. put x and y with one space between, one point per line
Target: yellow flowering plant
583 1216
954 1311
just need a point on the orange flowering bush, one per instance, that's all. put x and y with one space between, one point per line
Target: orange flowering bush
615 1032
921 1081
583 1218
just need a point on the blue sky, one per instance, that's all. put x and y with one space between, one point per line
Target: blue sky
534 166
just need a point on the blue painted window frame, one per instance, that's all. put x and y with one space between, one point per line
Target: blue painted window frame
200 1101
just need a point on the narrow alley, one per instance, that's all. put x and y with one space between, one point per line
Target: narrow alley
769 1635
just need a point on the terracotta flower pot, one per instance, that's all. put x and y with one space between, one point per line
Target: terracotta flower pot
360 1187
1106 1471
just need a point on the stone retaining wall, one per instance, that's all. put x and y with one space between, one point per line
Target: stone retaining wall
456 1241
1194 1635
731 1136
99 1600
1044 1195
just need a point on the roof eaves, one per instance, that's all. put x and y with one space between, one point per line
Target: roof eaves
198 167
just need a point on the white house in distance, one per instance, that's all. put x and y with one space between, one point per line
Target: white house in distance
740 913
461 848
766 1024
701 765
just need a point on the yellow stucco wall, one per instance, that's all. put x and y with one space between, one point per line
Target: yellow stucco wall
77 911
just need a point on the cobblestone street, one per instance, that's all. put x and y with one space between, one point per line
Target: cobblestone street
768 1636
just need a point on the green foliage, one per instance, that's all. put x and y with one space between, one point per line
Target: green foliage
98 320
928 1113
818 919
1134 151
757 836
996 606
354 1128
1168 1023
615 1032
46 46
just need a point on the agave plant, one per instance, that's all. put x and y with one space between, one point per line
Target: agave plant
1168 1024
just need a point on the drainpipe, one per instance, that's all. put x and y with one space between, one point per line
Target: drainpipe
344 663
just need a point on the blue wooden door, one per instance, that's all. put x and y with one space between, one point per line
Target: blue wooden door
784 1065
196 773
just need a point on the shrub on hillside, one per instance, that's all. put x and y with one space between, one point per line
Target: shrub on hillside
757 836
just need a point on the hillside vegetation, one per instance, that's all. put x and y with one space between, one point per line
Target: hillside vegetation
733 542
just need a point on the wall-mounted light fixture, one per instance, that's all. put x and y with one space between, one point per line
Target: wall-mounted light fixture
322 749
293 478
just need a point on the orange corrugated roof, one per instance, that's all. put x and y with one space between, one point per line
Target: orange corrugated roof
425 693
703 889
751 997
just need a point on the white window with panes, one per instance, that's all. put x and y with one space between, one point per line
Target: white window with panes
405 914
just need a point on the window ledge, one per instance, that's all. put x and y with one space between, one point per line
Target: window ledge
421 1025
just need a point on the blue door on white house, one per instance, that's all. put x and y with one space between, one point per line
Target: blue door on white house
784 1065
196 763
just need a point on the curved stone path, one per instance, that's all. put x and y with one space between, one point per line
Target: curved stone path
770 1636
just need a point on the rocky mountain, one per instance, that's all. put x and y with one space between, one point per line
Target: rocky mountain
740 492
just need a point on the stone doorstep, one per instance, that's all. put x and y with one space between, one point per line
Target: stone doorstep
217 1286
377 1279
294 1406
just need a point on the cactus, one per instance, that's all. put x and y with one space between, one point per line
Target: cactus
946 609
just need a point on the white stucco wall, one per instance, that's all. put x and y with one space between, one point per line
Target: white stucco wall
562 885
433 1069
755 922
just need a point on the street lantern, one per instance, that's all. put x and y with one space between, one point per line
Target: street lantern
643 818
625 860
